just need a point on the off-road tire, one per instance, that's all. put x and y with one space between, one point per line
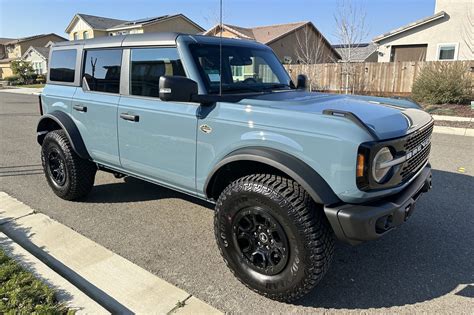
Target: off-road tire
310 237
79 174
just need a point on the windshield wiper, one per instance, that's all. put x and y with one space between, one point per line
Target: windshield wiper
276 86
241 88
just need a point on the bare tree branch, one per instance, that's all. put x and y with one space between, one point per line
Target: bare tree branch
309 50
351 29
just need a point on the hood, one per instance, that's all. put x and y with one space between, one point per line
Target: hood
386 117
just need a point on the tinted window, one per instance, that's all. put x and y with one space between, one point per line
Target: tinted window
147 65
102 70
62 65
244 69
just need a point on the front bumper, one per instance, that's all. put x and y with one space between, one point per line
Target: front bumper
356 223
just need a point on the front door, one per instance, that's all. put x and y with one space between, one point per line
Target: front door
157 140
94 107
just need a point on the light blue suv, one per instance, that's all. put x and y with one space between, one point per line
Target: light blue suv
220 119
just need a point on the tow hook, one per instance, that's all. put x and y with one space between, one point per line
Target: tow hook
427 186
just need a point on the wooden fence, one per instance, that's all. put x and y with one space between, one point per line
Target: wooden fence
377 78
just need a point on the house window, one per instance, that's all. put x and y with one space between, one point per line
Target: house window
85 35
75 36
448 51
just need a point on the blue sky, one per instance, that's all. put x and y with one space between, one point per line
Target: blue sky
28 17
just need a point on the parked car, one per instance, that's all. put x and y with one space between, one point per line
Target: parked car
289 171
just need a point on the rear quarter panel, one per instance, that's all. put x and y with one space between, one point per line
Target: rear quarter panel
57 97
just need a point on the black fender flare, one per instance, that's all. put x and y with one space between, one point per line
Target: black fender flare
65 122
298 170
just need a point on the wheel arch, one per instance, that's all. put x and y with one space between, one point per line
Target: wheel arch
250 160
59 120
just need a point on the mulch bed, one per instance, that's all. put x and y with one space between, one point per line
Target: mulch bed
449 110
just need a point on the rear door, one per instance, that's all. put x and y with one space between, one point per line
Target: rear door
94 106
157 140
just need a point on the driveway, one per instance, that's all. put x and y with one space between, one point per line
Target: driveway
425 266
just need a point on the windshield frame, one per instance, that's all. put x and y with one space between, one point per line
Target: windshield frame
240 88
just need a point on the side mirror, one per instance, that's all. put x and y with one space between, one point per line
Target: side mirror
177 89
301 82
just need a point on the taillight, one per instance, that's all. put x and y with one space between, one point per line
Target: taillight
40 105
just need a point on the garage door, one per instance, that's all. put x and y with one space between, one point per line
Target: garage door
408 53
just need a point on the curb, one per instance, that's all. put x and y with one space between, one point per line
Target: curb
467 132
452 118
115 283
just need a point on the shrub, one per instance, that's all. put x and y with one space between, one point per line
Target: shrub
40 79
24 70
13 80
442 83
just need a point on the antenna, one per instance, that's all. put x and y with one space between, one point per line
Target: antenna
220 51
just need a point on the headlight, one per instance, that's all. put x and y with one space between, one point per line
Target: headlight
379 171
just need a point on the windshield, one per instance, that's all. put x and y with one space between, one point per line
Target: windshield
244 69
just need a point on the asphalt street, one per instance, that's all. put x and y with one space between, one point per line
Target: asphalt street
424 266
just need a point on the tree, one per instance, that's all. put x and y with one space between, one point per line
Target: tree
23 70
309 50
351 30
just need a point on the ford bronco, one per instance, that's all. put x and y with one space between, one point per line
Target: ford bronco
289 171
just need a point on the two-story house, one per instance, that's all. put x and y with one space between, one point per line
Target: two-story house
84 26
14 49
446 35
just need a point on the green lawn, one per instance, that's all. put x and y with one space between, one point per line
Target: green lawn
22 293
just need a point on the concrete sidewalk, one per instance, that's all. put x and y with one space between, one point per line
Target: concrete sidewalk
115 283
30 91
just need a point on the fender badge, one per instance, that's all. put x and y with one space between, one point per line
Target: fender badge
205 128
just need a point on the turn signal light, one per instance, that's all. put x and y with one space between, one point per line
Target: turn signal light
360 165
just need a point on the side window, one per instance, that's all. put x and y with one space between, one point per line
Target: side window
62 65
147 65
102 70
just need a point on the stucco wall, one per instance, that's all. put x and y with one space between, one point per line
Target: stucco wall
288 46
177 24
454 28
5 70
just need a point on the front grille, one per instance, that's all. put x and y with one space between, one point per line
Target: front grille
413 141
414 164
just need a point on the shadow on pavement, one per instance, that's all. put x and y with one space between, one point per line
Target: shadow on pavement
426 258
133 190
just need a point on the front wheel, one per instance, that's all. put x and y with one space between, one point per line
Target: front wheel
273 236
70 176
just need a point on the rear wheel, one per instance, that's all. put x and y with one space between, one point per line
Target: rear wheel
67 174
273 236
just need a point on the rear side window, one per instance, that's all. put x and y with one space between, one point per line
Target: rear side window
102 70
62 65
147 65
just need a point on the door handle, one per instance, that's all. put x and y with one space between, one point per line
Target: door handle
130 117
80 108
